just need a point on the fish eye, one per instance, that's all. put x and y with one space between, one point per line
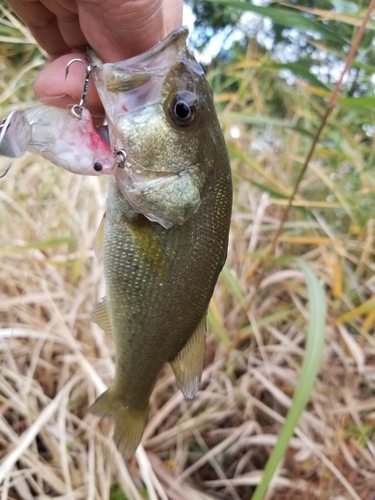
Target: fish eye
183 109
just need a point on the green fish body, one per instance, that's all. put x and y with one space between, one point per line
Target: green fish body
164 237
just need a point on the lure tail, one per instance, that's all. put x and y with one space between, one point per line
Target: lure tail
129 423
15 135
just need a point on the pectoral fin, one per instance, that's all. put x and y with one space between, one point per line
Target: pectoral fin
149 248
101 316
188 364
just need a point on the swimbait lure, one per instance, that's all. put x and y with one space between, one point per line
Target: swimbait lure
67 140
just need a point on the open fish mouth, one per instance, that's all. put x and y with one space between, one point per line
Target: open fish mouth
128 75
136 83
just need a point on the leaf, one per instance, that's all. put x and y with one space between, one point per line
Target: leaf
367 103
215 324
285 18
309 370
309 240
39 245
344 6
300 71
366 307
255 120
266 189
237 153
232 283
329 15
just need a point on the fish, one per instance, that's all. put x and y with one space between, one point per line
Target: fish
68 141
164 237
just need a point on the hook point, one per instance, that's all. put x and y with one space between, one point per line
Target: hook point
5 171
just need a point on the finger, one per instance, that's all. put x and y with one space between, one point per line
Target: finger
42 23
68 22
53 89
172 13
116 29
119 29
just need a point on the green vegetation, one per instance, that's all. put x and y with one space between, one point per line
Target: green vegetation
289 373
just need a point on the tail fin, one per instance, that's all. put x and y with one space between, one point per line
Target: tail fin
129 423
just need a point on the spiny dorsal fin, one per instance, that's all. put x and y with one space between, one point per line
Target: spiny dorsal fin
101 316
188 364
98 247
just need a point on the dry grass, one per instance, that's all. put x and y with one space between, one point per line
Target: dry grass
54 361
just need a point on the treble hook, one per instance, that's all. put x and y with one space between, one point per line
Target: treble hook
5 171
77 108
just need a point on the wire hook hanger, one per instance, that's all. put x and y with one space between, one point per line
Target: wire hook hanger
77 108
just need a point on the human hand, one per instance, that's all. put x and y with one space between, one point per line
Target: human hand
115 29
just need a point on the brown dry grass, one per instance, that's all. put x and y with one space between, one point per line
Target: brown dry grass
54 361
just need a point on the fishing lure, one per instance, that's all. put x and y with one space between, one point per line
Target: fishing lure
67 138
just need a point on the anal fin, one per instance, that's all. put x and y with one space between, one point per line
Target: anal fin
101 316
188 364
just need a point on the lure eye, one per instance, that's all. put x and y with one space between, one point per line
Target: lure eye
98 166
183 109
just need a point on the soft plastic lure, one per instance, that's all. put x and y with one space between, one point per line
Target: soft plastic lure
67 140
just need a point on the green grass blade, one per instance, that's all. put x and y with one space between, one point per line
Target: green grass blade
309 371
40 245
299 70
216 326
232 283
285 18
367 103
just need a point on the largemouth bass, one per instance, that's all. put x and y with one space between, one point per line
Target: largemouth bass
164 237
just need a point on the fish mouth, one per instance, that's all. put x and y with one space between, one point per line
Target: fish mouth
178 37
137 82
131 74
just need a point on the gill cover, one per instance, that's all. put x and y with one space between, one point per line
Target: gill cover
153 104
